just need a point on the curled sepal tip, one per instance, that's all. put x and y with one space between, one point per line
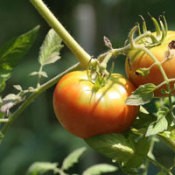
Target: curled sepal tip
146 37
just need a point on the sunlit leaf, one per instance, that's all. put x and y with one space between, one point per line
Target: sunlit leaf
100 169
161 124
143 110
50 49
18 87
142 95
114 146
72 158
39 168
169 137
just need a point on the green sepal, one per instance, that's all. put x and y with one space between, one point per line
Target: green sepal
143 71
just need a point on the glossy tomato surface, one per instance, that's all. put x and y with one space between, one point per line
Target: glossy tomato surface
85 111
138 59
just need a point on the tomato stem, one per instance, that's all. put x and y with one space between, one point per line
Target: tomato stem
34 95
124 50
159 165
104 59
76 49
159 64
144 49
164 82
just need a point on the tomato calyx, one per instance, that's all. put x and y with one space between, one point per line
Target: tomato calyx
141 40
98 74
97 69
146 38
153 65
143 59
153 38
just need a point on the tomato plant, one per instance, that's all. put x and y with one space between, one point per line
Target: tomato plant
139 62
86 110
101 106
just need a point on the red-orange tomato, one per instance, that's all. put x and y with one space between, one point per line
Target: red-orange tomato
86 112
138 59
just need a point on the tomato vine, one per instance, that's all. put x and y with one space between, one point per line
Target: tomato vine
131 150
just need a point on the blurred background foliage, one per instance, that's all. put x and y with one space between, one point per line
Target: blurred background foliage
36 135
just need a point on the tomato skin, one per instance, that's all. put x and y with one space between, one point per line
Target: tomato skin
86 112
138 59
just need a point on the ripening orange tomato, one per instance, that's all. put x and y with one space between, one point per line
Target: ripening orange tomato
86 111
138 59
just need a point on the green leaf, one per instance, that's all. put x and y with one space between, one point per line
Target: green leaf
100 169
12 52
142 146
39 168
161 124
50 49
143 121
72 158
4 76
169 138
1 137
142 95
162 173
114 146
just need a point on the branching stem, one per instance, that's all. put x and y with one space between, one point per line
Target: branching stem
159 165
34 95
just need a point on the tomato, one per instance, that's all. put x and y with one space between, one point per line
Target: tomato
139 59
86 111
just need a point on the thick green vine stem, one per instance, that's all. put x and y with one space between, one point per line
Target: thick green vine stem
76 49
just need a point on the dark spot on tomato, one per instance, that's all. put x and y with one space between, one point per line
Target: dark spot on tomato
171 45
